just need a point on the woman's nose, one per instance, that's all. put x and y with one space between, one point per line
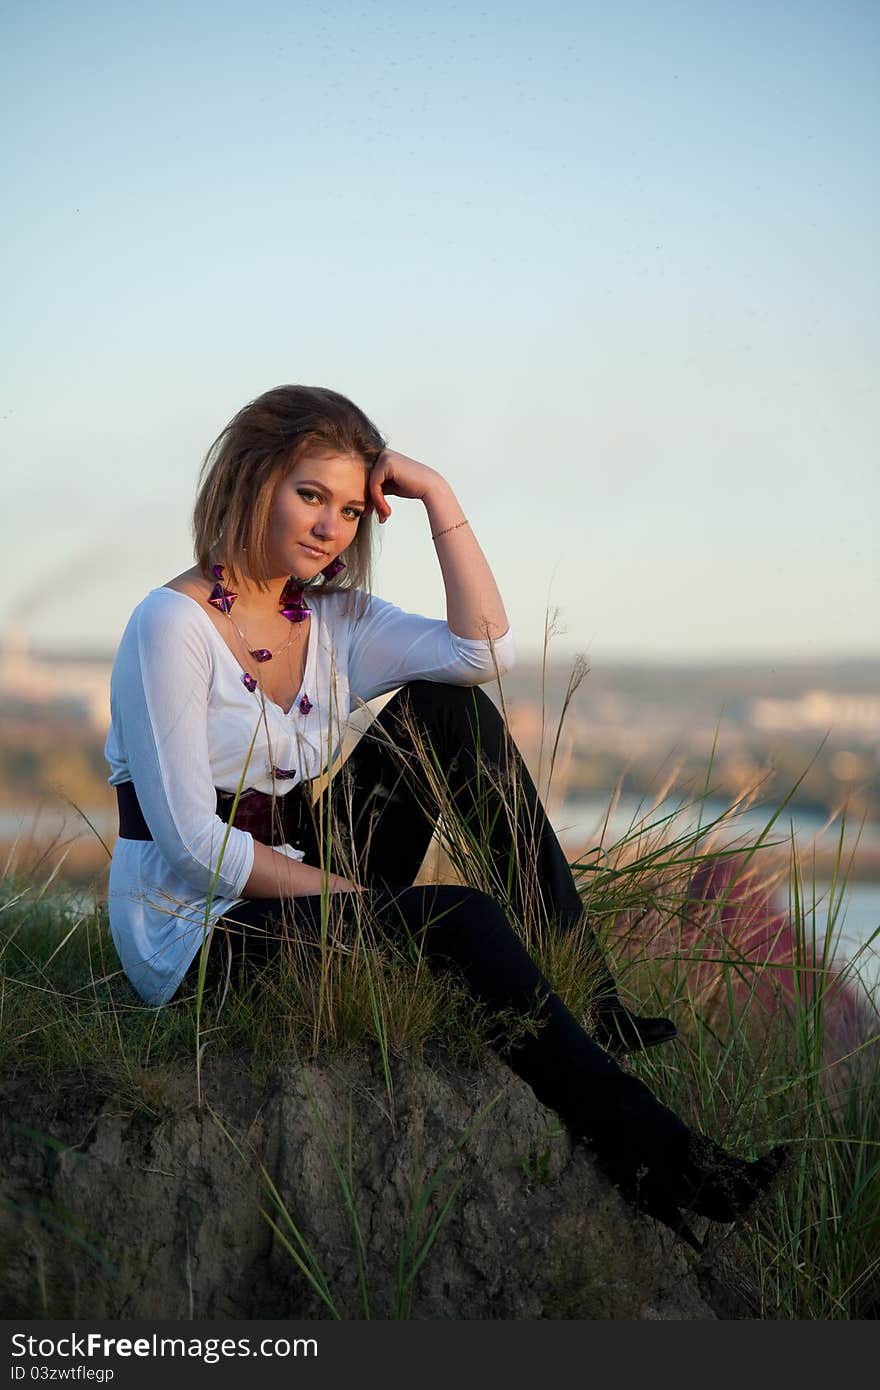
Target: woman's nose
325 524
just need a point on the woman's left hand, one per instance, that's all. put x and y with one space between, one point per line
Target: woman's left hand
395 475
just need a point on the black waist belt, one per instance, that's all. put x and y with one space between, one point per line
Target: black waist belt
273 820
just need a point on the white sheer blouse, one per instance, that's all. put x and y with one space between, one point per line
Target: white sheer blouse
183 724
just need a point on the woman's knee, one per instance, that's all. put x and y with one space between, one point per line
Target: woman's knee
467 705
457 920
453 904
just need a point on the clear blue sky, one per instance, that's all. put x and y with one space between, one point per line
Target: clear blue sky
612 268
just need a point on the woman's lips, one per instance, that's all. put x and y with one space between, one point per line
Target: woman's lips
312 550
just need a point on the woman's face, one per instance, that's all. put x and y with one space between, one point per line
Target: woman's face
315 512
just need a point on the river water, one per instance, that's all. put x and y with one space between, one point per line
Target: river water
855 907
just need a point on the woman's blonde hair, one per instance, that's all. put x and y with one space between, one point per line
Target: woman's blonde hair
259 446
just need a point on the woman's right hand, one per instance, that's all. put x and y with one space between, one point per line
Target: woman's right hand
313 882
338 884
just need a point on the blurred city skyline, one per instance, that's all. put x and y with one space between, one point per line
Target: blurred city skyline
613 272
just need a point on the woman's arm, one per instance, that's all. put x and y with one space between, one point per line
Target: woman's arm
275 875
474 608
158 699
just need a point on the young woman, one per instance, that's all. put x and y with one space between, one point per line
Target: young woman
230 694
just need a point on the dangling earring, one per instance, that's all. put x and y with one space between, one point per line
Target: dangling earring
221 598
335 567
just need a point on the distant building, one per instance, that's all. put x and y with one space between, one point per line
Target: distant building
37 683
857 715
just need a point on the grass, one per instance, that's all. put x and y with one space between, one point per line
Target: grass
775 1043
422 1227
779 1044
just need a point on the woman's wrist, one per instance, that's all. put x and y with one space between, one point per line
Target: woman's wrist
276 875
437 491
442 506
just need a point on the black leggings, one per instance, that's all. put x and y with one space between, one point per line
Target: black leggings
433 745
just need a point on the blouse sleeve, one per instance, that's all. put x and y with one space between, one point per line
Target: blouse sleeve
389 647
159 708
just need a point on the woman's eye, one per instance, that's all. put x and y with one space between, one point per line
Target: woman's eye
351 513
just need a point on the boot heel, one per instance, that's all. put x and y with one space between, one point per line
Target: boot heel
659 1206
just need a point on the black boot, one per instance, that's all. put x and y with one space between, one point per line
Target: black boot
664 1168
619 1031
658 1163
717 1185
707 1181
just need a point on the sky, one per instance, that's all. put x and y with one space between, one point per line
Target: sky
612 270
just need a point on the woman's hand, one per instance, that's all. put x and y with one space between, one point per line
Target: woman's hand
338 884
473 603
395 475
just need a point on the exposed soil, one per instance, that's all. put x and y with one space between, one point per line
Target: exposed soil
133 1203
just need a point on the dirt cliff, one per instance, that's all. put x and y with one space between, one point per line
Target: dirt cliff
139 1202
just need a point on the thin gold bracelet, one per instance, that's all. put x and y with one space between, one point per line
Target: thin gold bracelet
447 529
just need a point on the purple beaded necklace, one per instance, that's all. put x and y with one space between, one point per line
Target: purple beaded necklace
295 610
